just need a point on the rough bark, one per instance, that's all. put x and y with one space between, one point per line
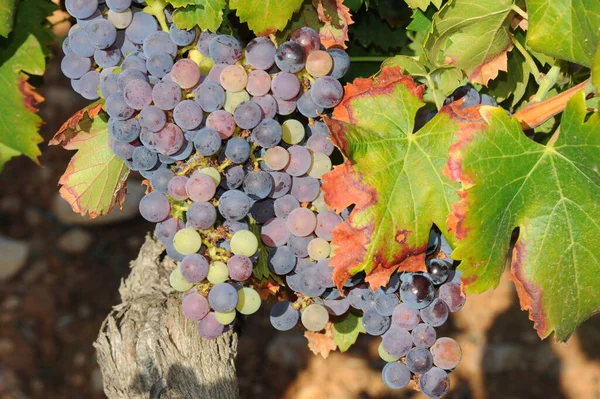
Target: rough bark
146 349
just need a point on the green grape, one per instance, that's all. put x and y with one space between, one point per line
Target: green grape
320 203
384 355
293 131
187 241
232 100
217 272
212 172
318 249
248 301
321 164
244 242
225 318
315 317
178 282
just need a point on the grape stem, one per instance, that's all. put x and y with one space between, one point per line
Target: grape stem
520 11
530 62
157 9
536 113
547 83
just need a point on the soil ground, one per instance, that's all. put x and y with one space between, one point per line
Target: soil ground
50 313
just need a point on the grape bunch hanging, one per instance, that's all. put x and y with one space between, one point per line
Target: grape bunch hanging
234 159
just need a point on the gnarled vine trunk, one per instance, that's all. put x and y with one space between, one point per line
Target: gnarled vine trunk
146 349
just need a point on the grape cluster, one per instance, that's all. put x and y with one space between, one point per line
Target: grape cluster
234 159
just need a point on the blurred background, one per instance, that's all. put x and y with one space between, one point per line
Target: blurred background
59 275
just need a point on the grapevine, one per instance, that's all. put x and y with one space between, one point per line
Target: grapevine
269 181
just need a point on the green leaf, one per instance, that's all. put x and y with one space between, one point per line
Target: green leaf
261 270
596 69
472 35
354 5
512 84
564 29
345 332
408 64
23 52
7 15
392 176
265 16
207 14
423 4
94 180
372 31
420 22
551 194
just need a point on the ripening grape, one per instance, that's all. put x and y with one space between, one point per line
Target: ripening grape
217 272
384 355
194 306
248 301
395 375
187 241
244 242
233 78
225 318
319 63
209 327
178 282
315 317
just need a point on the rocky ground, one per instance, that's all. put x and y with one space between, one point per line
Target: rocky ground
60 273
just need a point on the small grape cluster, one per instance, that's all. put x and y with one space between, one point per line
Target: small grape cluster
234 159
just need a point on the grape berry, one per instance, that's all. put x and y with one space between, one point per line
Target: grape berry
243 149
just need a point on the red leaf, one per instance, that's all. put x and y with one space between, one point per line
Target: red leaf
321 343
70 128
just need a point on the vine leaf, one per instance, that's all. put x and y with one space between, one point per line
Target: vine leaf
261 270
23 53
423 4
564 29
551 194
596 69
392 176
7 16
472 35
345 332
328 17
94 180
207 14
321 343
265 16
336 18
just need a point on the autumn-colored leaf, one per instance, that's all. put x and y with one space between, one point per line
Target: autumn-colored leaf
94 180
489 69
392 176
267 289
328 17
471 35
69 129
551 193
22 54
336 19
321 343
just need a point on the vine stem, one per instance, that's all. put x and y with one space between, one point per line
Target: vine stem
520 11
536 113
438 103
368 59
547 82
528 59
